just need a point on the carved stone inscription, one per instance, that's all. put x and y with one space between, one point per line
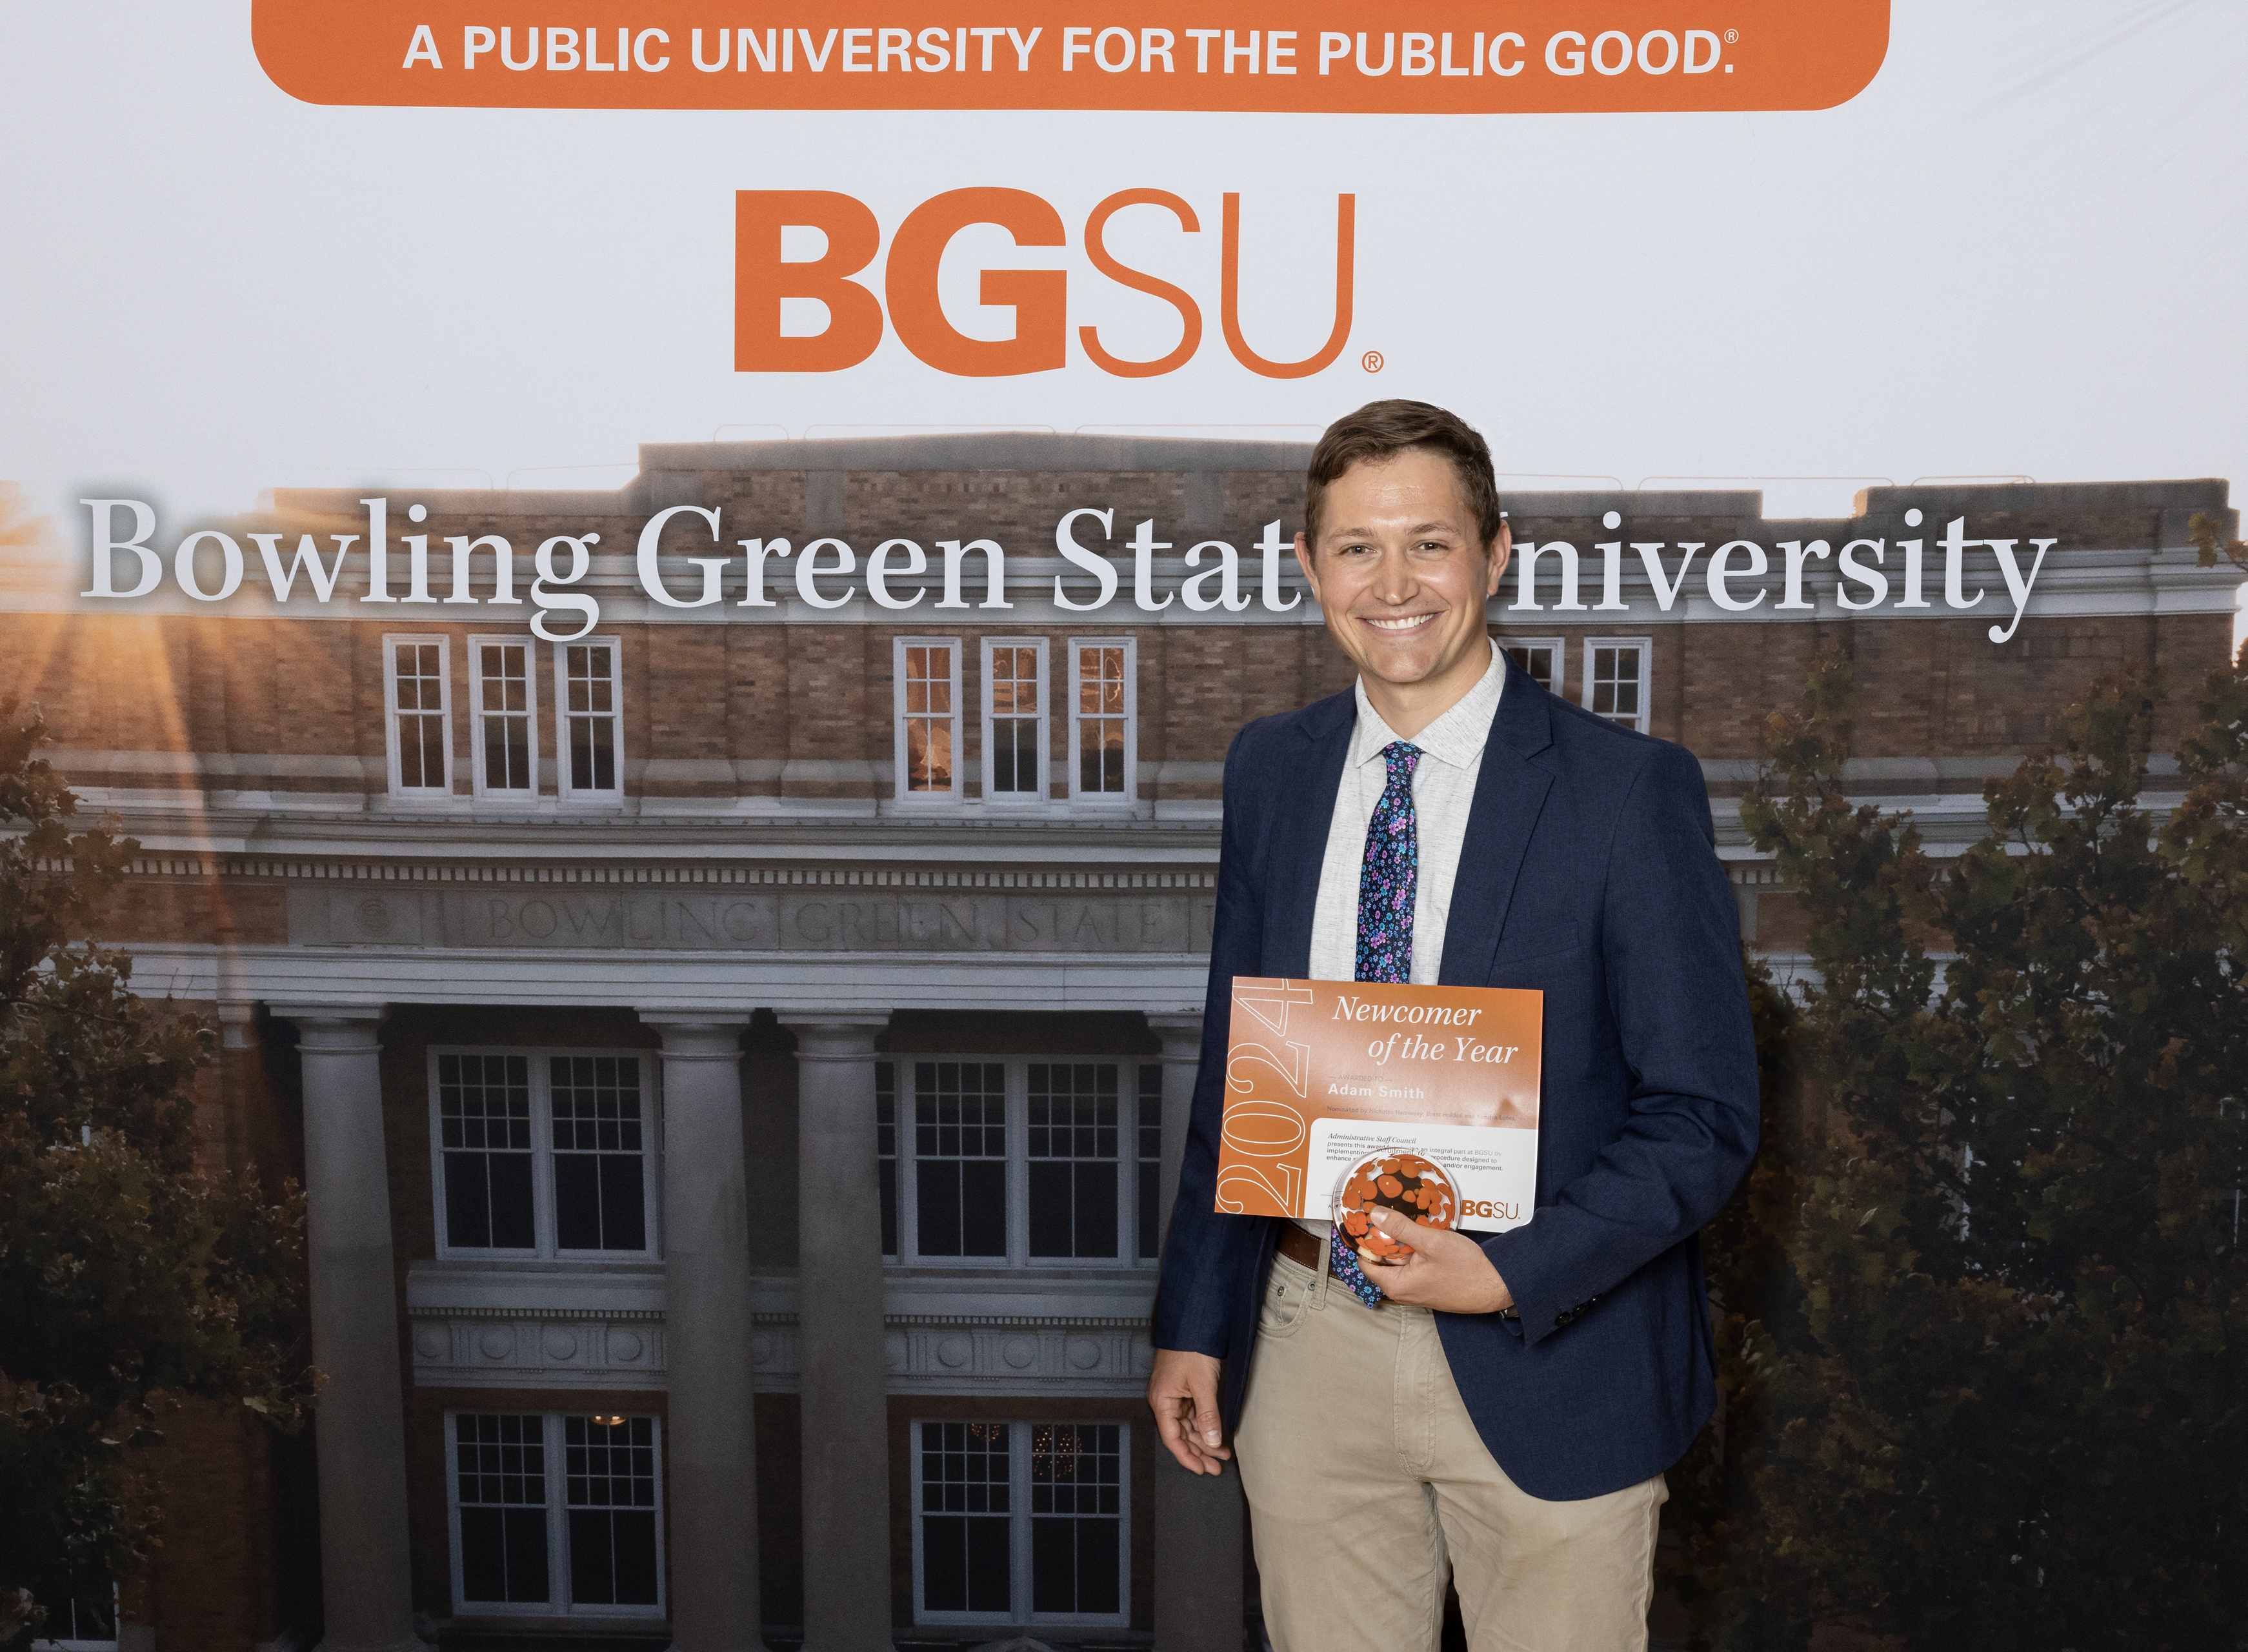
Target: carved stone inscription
807 921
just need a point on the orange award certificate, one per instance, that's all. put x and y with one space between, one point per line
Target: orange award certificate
1327 1081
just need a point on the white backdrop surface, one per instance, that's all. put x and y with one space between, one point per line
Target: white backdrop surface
2018 253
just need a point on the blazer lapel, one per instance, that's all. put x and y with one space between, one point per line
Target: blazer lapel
1299 842
1509 796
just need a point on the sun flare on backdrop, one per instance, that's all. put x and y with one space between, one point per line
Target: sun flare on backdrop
113 685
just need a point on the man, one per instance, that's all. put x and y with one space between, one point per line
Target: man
1502 1407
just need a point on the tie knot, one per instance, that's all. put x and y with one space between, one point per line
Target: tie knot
1401 756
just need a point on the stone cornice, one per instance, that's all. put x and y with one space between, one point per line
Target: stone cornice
557 1326
440 872
716 983
714 840
710 845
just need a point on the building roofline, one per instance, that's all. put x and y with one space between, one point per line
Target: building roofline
672 473
2190 493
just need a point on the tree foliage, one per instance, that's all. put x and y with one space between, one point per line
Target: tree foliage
130 1276
2210 549
1984 1306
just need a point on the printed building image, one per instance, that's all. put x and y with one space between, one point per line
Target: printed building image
841 850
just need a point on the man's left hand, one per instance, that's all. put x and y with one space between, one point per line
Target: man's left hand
1447 1270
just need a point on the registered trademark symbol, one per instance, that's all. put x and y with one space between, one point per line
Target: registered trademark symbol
1371 362
1732 37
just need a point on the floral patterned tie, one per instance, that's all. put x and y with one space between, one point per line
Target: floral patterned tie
1390 876
1388 880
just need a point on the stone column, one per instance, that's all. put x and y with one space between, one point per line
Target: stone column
360 1425
845 1386
1748 887
712 1460
1198 1519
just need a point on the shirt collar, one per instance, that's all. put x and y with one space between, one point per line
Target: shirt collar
1457 737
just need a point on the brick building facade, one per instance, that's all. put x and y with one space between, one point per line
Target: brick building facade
869 897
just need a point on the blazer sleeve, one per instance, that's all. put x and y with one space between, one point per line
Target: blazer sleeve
1204 1250
1670 951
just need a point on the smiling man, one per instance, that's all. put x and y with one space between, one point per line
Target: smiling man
1497 1411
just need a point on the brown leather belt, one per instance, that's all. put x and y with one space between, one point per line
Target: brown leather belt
1299 1247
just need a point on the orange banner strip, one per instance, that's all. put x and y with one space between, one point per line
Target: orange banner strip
1320 56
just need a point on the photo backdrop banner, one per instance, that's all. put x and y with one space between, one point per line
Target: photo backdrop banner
664 590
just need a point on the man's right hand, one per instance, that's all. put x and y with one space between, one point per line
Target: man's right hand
1183 1395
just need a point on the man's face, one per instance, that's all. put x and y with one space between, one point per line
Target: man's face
1400 572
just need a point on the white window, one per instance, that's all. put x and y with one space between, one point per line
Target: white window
79 1620
544 1152
589 745
418 718
555 1513
1015 719
926 672
1036 1163
506 718
1022 1523
1539 656
1102 748
1616 679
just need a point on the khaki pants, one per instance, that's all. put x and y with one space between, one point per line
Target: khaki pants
1367 1483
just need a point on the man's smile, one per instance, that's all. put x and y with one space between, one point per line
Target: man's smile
1399 625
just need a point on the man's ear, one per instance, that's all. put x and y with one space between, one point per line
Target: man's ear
1502 548
1304 561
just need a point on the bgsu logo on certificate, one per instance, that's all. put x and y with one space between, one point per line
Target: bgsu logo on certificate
1327 1082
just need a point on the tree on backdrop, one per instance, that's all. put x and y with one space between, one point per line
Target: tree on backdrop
128 1275
1983 1306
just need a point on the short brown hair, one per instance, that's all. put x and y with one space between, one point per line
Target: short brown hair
1381 430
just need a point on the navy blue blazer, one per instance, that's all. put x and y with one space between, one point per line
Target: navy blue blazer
1589 872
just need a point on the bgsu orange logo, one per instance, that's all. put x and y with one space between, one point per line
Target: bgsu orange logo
1039 297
